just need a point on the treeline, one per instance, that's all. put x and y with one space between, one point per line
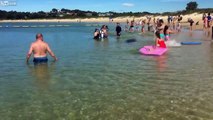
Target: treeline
69 14
184 12
54 13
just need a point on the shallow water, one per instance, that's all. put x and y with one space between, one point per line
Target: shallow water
106 79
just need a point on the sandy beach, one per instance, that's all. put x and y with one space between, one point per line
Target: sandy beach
195 16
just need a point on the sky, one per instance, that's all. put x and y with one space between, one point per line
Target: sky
103 5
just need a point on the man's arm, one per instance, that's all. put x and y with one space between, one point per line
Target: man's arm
51 53
29 53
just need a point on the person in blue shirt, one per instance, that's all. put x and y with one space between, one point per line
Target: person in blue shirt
209 20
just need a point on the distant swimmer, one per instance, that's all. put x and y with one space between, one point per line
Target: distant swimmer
118 30
39 48
96 34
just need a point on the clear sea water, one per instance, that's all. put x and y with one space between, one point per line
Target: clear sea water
103 80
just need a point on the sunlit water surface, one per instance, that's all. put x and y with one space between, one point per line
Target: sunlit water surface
104 80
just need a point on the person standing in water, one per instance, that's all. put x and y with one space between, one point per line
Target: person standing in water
209 22
39 49
191 23
160 28
96 34
179 25
131 28
167 32
104 31
143 26
205 19
118 30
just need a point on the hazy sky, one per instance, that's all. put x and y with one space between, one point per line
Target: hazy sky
104 5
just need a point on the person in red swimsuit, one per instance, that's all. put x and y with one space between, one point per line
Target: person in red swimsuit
159 42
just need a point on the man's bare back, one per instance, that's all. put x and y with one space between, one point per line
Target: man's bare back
39 49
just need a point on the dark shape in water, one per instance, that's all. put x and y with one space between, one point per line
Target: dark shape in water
131 40
191 43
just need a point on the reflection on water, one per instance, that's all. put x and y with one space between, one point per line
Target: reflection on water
42 74
101 42
190 33
161 63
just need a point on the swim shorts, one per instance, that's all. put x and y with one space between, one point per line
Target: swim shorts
40 60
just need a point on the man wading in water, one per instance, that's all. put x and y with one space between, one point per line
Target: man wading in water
39 48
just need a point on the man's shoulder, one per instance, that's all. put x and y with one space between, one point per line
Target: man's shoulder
44 42
33 43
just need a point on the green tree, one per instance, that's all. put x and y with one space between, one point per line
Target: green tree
54 10
191 6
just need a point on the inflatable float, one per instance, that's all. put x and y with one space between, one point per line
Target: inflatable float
172 43
152 50
191 43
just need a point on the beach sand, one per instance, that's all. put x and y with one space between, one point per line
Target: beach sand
195 16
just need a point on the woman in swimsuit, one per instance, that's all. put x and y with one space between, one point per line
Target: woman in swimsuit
160 28
167 33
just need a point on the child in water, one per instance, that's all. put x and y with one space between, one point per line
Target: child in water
159 42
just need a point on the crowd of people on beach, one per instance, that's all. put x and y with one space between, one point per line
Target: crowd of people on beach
162 31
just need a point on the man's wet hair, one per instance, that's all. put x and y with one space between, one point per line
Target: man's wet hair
39 35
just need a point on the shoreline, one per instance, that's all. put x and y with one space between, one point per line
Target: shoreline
197 17
194 16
